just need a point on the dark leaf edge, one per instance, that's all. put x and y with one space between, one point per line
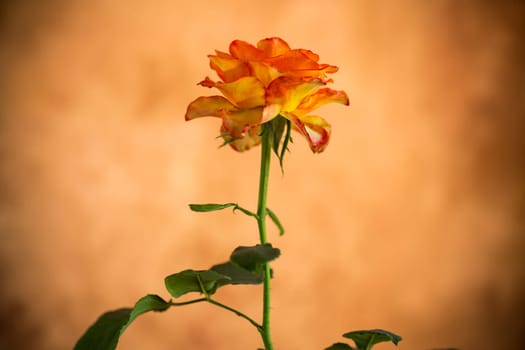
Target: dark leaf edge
367 338
340 346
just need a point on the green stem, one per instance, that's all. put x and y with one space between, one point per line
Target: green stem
188 302
237 312
261 221
221 305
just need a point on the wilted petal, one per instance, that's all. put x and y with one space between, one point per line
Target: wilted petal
251 138
228 68
273 46
241 129
246 92
237 122
212 106
322 97
289 92
270 111
245 51
315 129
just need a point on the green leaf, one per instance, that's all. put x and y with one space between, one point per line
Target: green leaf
365 339
201 208
104 334
277 126
227 142
150 302
245 267
278 123
340 346
204 281
252 258
276 221
287 139
237 274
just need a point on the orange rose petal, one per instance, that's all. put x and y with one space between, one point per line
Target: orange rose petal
314 73
245 51
264 72
246 92
293 60
212 106
313 56
273 46
315 129
223 54
328 68
228 68
322 97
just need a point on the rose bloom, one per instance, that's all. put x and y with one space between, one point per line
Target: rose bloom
260 83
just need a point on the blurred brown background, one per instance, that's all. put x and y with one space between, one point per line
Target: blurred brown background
412 220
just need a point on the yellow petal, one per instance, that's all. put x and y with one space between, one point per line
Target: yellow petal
212 106
246 92
228 68
322 97
289 92
223 54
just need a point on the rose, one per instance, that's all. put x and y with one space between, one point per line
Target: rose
261 83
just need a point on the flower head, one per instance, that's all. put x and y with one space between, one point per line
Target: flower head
260 83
